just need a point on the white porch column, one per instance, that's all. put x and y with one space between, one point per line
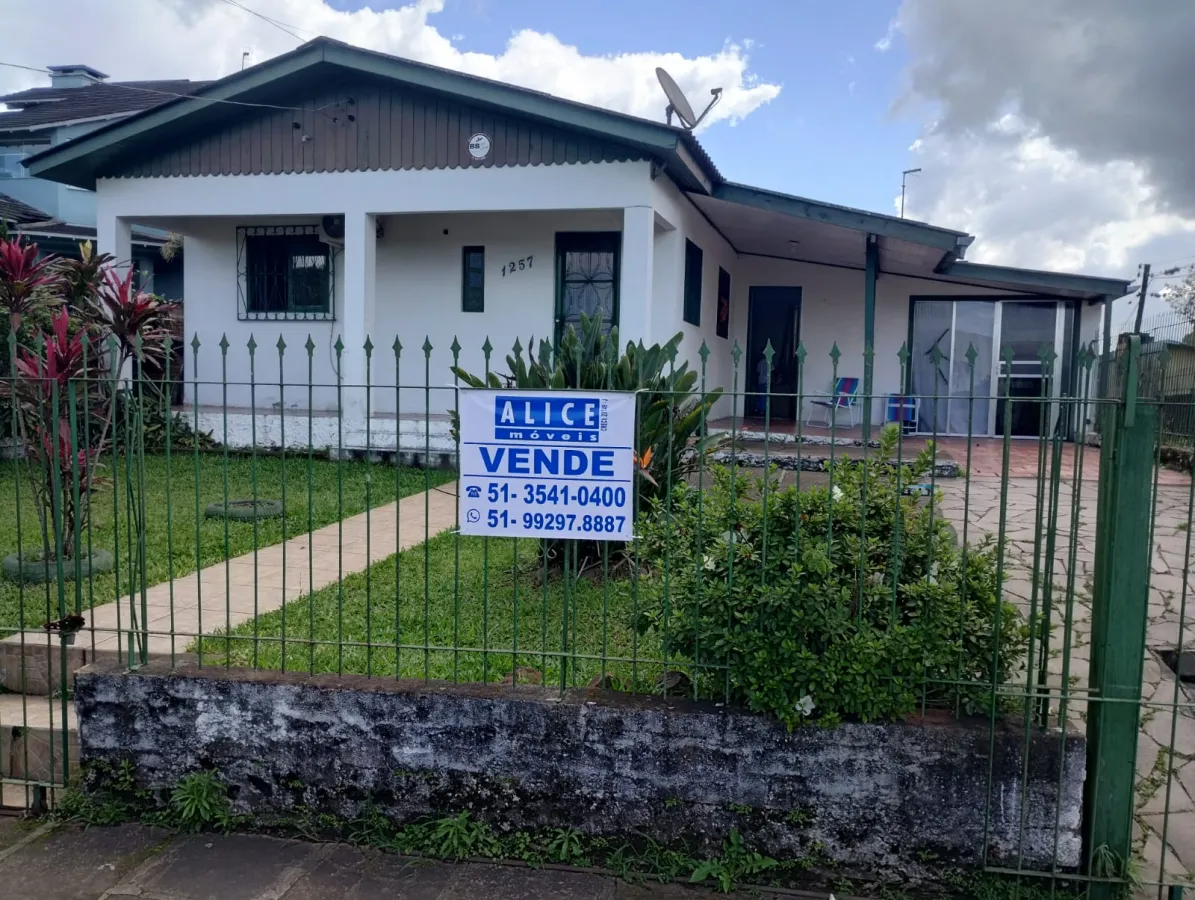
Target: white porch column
635 281
356 323
114 234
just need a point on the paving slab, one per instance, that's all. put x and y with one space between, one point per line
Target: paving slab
353 873
153 864
76 863
223 867
507 883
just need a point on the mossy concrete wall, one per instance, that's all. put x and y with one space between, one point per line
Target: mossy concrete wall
888 799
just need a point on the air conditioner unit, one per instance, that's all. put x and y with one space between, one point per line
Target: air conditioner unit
331 230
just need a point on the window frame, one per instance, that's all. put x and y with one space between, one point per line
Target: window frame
244 287
694 275
465 286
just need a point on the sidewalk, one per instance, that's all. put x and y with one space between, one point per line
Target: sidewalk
153 864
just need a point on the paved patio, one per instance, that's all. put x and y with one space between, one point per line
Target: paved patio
1167 711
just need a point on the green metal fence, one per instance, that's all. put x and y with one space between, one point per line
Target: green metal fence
1041 580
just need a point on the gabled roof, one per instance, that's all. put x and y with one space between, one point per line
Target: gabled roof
43 107
77 162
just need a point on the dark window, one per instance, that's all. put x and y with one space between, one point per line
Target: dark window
473 279
723 303
692 283
285 272
587 277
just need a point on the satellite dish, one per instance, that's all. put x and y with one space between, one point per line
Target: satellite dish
679 104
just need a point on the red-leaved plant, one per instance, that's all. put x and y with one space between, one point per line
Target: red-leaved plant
25 281
101 327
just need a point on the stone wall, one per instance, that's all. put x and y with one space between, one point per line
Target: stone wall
874 798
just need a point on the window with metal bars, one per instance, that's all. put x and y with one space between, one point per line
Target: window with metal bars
284 272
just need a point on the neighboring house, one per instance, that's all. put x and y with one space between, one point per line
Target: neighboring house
347 193
78 100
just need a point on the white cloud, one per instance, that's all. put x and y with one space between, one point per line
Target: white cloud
1051 155
1035 204
884 44
141 39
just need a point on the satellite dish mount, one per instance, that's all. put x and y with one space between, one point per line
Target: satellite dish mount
679 104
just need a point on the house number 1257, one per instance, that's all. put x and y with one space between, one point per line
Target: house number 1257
516 265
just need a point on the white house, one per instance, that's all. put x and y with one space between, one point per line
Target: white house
335 192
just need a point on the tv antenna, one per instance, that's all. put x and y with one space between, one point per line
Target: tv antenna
679 104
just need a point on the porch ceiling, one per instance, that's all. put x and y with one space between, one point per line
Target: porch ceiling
767 232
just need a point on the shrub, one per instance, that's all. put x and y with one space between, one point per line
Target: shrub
801 613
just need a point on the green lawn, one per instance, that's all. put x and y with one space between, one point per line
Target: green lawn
354 624
179 541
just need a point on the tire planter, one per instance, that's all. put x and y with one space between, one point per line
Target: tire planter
244 510
30 568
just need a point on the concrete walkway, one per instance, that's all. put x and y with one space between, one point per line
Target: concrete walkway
153 864
228 593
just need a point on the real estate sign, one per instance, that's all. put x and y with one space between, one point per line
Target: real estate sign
551 464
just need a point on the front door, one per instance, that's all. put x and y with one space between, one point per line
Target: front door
586 278
774 314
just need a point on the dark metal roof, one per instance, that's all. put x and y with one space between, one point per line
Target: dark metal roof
1062 284
14 212
77 162
45 106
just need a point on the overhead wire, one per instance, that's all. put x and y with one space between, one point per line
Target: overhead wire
124 85
282 26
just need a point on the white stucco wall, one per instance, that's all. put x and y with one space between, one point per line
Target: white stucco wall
419 292
682 221
210 313
513 212
578 186
832 312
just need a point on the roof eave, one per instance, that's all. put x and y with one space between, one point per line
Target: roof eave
1094 285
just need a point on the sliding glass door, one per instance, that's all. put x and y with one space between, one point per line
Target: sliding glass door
954 384
956 369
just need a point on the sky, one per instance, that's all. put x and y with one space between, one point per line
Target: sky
1056 131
